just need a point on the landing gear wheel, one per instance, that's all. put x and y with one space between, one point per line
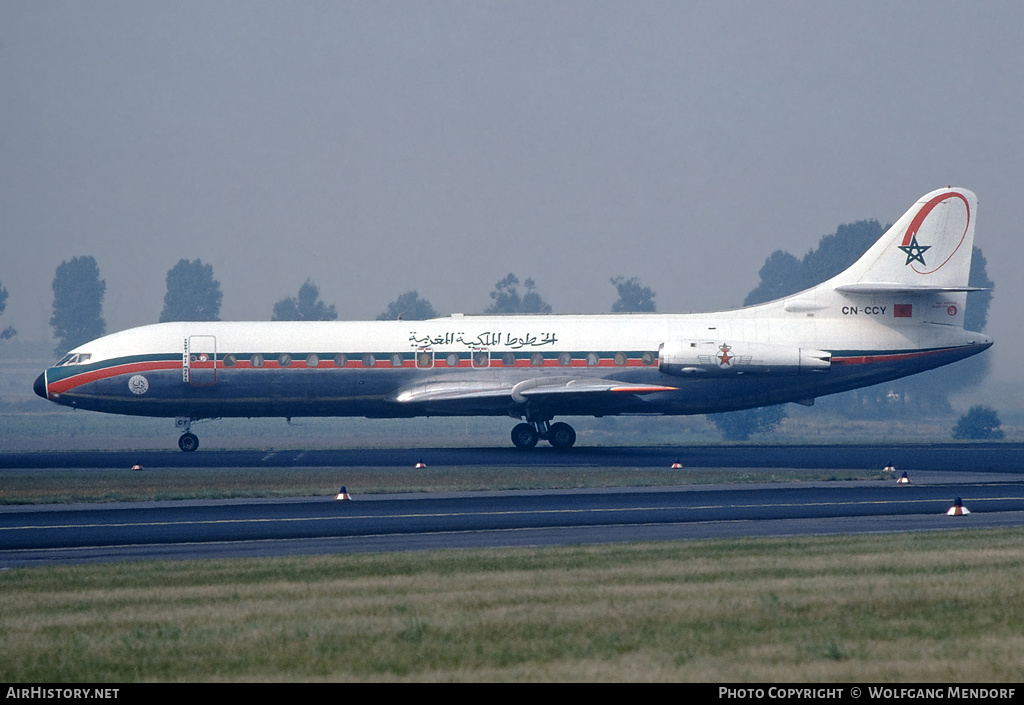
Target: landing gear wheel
524 436
561 436
188 442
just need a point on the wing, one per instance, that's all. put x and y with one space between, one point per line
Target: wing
538 387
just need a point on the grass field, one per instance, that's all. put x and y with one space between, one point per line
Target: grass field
105 485
943 606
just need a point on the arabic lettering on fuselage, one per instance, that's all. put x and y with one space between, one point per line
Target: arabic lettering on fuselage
483 340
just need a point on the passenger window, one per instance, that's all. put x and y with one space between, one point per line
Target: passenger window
564 359
229 360
340 360
396 360
508 359
256 360
452 360
369 360
312 360
592 359
284 360
536 360
620 358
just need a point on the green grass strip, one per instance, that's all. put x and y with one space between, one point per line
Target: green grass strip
938 606
156 484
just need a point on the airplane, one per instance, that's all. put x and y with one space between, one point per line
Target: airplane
897 311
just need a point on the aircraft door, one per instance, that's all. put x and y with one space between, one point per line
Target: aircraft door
199 362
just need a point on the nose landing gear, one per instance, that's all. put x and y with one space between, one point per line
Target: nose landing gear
560 435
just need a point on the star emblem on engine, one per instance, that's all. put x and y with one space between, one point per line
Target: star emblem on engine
725 358
915 252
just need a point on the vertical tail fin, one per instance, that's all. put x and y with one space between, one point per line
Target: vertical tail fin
927 250
919 269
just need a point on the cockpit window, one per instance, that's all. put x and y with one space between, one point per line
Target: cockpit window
74 359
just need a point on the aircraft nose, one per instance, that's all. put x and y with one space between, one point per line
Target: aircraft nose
39 386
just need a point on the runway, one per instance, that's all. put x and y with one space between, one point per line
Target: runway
239 528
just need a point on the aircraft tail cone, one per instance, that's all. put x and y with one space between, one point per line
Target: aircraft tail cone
420 465
958 509
677 465
342 494
136 467
904 480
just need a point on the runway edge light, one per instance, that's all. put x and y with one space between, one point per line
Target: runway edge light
904 480
342 493
677 465
136 467
419 464
958 509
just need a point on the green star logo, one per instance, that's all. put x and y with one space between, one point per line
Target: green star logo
915 252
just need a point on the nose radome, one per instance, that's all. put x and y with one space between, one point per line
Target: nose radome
39 386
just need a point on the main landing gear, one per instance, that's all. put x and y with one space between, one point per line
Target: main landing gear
560 435
188 441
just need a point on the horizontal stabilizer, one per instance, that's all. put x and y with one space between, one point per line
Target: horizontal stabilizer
896 288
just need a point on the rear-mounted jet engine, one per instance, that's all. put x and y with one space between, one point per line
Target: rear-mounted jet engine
696 357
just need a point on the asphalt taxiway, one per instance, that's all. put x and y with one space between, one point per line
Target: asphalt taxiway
51 534
987 477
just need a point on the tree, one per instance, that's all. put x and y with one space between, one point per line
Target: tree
77 303
307 307
632 296
783 274
979 423
192 293
976 315
837 251
408 307
7 332
506 298
741 425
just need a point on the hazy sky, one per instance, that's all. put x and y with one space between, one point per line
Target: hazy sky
378 147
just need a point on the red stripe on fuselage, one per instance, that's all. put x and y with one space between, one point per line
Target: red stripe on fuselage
384 363
68 383
886 357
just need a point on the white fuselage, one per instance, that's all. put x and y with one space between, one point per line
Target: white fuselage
896 311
